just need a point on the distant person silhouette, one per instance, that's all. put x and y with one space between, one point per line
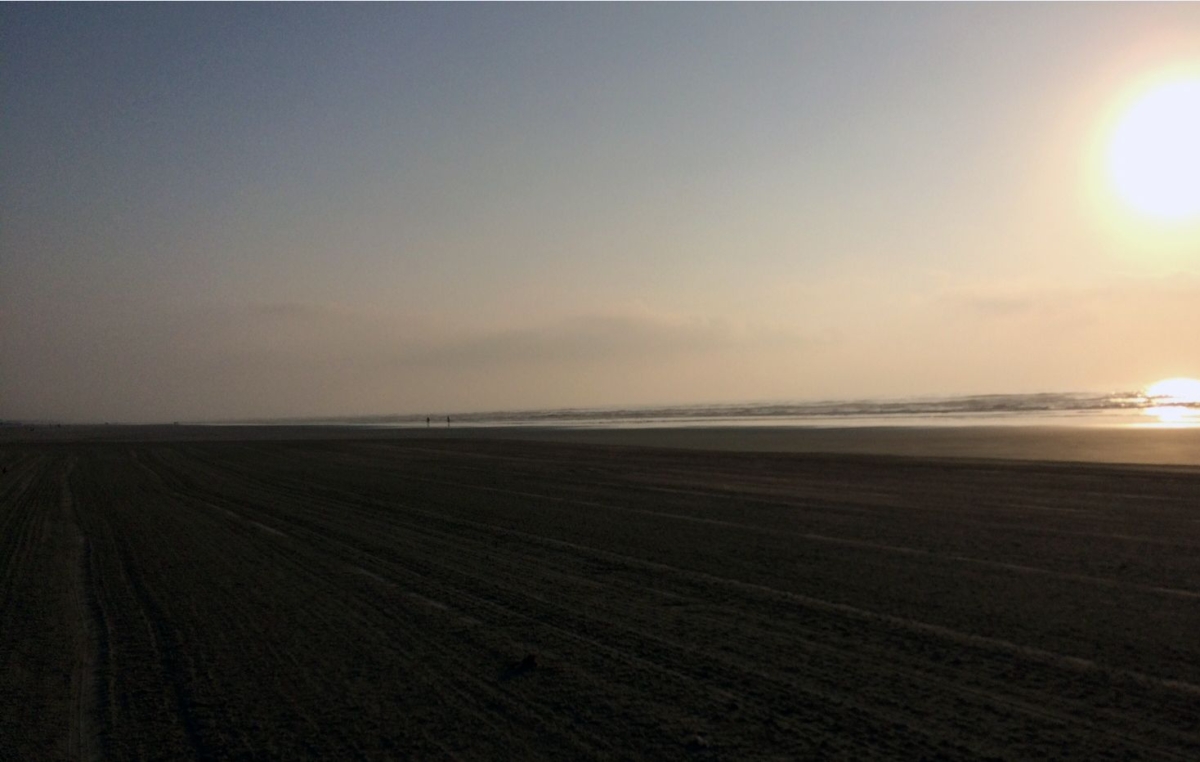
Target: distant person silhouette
447 421
426 421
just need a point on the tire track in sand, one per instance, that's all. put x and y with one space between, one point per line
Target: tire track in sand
81 734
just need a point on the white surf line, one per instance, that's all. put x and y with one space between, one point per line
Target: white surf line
865 544
1051 658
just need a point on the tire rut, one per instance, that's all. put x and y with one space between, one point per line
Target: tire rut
83 739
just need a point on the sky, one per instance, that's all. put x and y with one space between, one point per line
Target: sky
223 211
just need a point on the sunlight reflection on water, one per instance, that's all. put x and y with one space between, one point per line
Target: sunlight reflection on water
1175 415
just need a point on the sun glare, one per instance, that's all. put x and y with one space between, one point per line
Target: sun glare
1175 390
1176 401
1154 153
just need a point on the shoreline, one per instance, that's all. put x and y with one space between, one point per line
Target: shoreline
1128 445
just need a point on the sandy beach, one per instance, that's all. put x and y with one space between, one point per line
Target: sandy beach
600 381
218 593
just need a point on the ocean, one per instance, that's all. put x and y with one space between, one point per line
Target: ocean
1065 409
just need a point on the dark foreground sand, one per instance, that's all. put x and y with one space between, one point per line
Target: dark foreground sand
272 594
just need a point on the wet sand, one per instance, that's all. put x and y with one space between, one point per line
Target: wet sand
1132 445
1094 445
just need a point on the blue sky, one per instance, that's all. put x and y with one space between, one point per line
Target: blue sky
217 211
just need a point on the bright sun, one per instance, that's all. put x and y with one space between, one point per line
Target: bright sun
1154 153
1176 390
